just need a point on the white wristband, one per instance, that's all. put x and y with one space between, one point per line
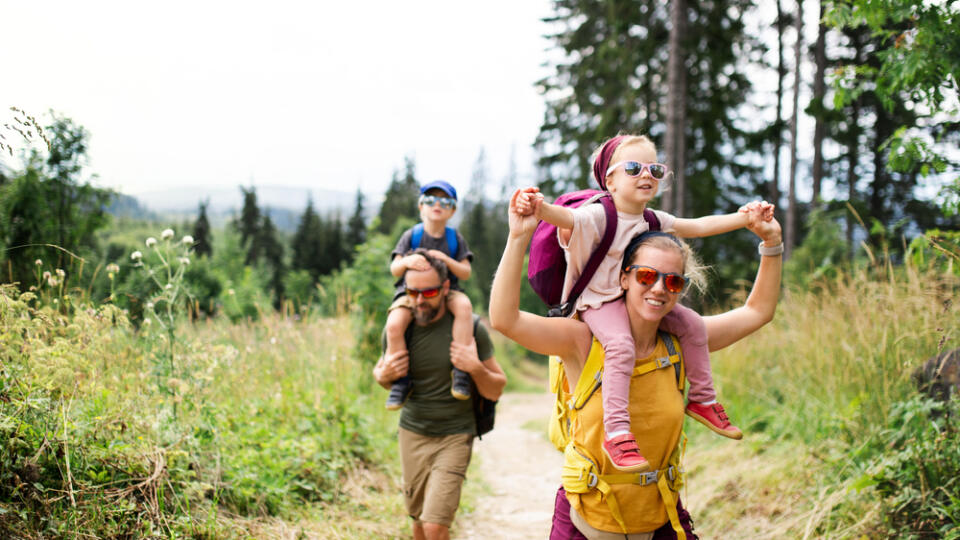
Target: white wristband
770 251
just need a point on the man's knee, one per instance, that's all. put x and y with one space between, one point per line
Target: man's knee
435 531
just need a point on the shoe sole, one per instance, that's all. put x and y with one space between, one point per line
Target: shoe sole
640 467
735 435
393 406
454 393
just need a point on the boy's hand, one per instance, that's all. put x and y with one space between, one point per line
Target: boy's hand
416 262
465 357
437 254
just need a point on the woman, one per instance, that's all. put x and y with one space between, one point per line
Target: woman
657 412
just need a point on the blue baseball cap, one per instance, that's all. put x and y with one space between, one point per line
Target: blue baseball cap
441 185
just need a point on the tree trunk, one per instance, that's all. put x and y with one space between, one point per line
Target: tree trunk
790 235
774 192
819 91
673 200
853 156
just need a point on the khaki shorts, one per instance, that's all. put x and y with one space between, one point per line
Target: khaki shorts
433 472
406 302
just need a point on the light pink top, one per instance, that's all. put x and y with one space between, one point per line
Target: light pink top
589 222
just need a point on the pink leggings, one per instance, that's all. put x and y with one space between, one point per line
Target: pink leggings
611 326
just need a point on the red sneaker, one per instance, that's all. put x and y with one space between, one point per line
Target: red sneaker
625 454
714 417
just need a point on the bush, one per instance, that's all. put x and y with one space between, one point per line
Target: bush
914 465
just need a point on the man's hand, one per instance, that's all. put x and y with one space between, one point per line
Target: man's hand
391 367
465 357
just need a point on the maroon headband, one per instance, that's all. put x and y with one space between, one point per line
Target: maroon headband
602 163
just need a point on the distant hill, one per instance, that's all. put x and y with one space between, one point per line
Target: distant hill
284 204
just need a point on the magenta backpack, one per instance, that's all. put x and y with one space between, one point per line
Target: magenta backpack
547 266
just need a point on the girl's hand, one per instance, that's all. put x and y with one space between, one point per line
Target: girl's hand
521 218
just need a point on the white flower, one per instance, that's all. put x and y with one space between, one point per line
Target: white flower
166 234
151 242
52 281
149 305
147 321
60 272
46 275
231 292
273 341
136 255
184 260
168 286
113 268
38 262
188 240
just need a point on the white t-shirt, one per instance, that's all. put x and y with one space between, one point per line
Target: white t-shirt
589 222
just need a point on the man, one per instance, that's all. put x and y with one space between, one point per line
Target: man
436 430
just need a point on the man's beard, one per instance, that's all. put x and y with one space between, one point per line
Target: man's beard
425 314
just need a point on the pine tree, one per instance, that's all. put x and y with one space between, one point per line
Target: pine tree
272 251
401 198
202 237
307 243
356 227
248 223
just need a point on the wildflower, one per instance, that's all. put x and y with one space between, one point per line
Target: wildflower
151 242
52 281
46 275
166 234
231 292
38 262
147 321
60 272
184 260
188 240
149 305
113 267
168 286
136 255
273 341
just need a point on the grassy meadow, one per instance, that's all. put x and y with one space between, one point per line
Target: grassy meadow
274 428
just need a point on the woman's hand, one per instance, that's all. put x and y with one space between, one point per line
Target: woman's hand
523 206
768 231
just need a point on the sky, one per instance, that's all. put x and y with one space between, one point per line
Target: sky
318 95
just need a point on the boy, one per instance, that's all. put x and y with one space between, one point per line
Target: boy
438 203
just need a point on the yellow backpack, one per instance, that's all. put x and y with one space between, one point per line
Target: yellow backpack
581 472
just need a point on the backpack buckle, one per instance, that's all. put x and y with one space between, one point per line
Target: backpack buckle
594 480
663 362
559 310
649 477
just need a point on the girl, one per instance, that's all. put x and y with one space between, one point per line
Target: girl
626 166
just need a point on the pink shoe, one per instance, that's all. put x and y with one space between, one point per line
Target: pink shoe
714 417
625 454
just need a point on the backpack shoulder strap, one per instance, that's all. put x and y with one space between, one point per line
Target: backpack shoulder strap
417 236
673 349
610 230
453 245
651 218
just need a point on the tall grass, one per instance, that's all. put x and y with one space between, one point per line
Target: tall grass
272 418
831 377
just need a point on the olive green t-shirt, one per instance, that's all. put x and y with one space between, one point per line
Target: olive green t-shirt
430 409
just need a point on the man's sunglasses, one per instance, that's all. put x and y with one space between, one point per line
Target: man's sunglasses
635 168
431 292
445 202
648 276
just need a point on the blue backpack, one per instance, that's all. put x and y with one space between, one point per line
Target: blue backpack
451 234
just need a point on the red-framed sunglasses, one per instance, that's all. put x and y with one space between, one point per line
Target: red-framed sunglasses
672 282
431 292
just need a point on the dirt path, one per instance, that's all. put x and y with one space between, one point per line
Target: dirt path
521 470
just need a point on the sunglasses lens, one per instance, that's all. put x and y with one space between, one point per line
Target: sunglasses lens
632 168
657 170
674 283
430 293
646 276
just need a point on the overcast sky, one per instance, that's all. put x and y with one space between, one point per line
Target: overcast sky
321 94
